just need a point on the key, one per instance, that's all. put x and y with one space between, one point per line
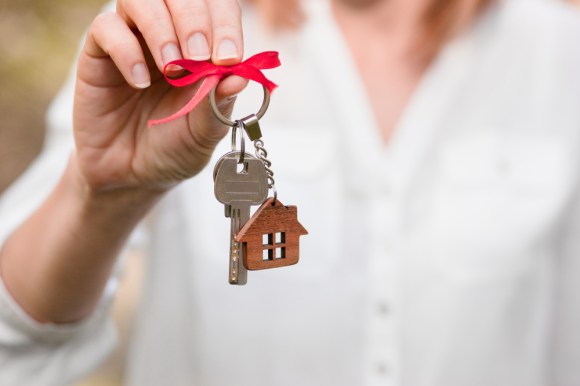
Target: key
239 186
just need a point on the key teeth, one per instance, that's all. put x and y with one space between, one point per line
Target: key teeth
238 273
234 281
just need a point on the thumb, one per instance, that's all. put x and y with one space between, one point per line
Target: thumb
208 134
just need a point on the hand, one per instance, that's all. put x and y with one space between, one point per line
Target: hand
120 87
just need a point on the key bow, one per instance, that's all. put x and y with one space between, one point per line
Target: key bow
250 68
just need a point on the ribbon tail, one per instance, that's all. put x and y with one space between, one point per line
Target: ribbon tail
208 83
264 60
258 76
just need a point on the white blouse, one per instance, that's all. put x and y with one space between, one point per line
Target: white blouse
446 258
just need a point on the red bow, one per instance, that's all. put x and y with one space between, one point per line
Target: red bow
249 68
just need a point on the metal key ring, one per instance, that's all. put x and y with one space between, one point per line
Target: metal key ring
239 124
225 120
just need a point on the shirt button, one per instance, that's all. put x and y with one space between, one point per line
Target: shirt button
381 368
382 308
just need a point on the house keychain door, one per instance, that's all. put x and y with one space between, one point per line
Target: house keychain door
270 238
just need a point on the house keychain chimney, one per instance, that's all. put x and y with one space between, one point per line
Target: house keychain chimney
270 238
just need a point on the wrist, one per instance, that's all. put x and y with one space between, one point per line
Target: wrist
78 232
93 194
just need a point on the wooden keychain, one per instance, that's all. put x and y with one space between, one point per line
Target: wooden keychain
271 237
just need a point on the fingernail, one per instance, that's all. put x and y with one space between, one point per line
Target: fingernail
227 50
140 75
198 47
173 70
170 52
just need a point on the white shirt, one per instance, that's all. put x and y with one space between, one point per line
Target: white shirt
447 258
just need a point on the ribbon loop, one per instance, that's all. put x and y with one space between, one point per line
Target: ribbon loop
250 68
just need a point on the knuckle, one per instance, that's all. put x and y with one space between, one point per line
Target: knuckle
227 12
227 5
226 30
189 21
102 20
122 46
154 23
193 10
147 15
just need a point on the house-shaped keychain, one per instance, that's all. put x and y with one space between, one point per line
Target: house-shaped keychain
270 239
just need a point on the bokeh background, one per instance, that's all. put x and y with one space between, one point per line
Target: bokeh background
38 42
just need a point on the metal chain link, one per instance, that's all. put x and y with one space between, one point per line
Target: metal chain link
262 155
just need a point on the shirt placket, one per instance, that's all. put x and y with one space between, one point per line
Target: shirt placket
383 362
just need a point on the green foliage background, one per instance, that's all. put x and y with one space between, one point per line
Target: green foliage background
38 42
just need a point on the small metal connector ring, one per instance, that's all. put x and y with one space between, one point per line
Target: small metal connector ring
242 150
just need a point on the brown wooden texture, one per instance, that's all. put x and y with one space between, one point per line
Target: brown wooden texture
270 238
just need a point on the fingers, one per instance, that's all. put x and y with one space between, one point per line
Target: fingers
227 32
193 29
109 36
153 20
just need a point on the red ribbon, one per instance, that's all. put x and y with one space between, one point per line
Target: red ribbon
249 68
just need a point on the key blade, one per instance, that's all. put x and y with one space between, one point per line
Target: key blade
240 214
239 184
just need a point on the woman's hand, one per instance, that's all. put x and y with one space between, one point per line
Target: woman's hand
57 263
120 86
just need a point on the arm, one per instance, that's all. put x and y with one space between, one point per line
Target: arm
57 262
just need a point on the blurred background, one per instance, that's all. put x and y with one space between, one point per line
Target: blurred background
38 42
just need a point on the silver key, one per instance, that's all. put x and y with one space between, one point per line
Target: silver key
239 186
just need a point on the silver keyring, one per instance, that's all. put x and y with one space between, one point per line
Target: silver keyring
225 120
234 138
239 124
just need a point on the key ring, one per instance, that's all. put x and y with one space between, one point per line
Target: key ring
225 120
239 124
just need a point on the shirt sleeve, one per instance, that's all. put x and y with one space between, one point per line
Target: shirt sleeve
32 353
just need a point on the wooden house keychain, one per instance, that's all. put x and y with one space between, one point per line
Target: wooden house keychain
270 238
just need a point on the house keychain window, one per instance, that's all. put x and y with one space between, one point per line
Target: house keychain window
274 246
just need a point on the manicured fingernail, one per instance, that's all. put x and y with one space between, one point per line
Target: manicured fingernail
198 47
170 52
140 75
227 50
